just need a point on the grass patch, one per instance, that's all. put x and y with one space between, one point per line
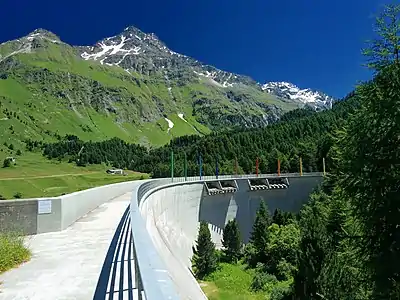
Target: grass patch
12 251
36 176
56 185
231 282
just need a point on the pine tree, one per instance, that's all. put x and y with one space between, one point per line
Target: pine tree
232 241
368 160
312 250
384 49
370 177
259 235
205 257
278 217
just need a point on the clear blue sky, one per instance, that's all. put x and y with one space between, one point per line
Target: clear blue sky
311 43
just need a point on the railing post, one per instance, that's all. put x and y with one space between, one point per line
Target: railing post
138 281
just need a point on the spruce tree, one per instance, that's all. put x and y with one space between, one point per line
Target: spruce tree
384 50
370 177
278 217
259 235
205 257
232 241
369 159
312 249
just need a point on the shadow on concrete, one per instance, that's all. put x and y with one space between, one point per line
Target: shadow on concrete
213 209
218 209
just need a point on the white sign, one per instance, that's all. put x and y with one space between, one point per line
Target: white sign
44 207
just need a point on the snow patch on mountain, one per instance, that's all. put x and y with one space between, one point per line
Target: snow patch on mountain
170 124
32 36
181 117
212 76
104 53
134 50
286 90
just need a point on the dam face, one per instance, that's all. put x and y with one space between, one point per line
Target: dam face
172 214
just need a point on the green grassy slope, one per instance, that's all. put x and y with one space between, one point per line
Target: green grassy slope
52 91
232 282
48 90
35 176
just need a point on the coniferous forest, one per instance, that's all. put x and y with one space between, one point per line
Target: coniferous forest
301 133
345 243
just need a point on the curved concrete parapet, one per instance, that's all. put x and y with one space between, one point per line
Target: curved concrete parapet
171 213
41 215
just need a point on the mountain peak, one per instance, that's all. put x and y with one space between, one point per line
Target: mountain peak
132 29
43 34
134 50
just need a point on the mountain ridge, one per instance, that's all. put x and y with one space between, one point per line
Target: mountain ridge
151 96
320 99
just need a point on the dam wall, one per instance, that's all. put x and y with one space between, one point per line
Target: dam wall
41 215
172 213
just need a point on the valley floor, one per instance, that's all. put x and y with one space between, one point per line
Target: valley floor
35 176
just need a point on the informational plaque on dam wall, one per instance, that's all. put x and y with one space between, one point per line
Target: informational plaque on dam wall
44 207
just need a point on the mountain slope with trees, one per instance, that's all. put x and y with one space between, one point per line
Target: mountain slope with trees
301 133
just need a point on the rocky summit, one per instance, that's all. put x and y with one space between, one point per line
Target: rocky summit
131 86
144 53
289 91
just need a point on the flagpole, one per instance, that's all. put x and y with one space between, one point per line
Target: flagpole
236 166
279 167
185 168
301 167
216 167
257 166
172 165
200 162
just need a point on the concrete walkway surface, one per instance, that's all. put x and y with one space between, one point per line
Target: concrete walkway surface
66 265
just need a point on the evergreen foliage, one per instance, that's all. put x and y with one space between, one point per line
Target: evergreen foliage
204 255
232 241
383 50
369 178
282 217
303 134
259 234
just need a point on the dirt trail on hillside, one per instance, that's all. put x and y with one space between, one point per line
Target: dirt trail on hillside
48 176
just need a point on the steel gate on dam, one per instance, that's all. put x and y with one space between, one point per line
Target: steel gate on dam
165 216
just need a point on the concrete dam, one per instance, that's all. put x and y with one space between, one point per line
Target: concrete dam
172 213
133 240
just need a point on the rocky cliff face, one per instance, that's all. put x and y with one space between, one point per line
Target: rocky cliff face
144 53
289 91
